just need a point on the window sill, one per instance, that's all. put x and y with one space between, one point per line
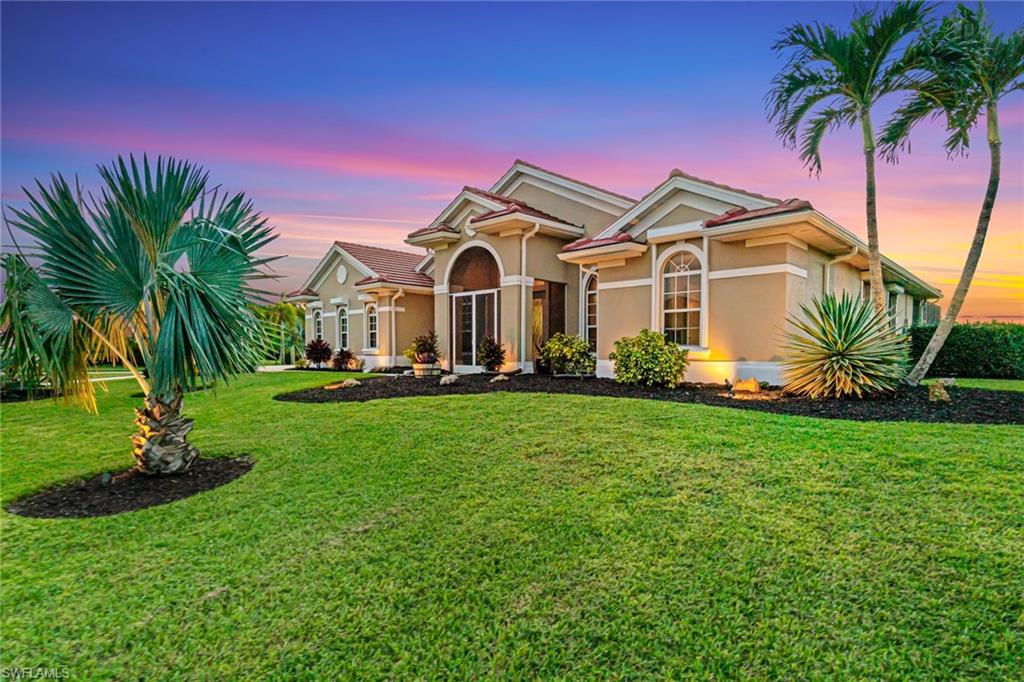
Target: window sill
370 350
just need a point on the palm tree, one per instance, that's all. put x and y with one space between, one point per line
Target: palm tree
156 261
286 321
833 79
970 70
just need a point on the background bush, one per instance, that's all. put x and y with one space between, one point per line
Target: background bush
342 359
985 350
648 359
491 354
566 354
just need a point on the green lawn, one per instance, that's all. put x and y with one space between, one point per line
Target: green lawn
509 535
990 384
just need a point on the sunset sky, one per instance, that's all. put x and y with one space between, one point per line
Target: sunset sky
361 122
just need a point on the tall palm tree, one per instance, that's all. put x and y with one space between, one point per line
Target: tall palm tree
156 261
970 70
833 79
286 321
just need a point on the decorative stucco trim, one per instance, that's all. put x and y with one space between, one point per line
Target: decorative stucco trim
773 269
623 284
516 280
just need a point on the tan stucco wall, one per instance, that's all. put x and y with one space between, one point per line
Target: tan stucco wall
681 214
592 220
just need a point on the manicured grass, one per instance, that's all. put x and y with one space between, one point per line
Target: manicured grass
512 535
990 384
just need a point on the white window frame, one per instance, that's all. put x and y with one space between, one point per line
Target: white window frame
585 325
318 324
370 316
659 292
341 338
892 306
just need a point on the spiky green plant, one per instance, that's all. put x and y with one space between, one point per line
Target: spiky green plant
843 347
154 263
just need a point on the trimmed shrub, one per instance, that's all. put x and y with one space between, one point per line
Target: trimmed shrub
318 351
342 359
490 354
567 354
984 350
843 348
649 359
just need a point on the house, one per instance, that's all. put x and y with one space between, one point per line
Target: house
716 268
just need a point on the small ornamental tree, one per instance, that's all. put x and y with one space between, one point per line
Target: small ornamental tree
318 351
648 359
491 354
155 272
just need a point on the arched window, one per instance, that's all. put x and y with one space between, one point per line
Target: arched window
318 324
681 299
371 326
590 312
342 340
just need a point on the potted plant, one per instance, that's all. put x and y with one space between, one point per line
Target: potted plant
491 355
425 354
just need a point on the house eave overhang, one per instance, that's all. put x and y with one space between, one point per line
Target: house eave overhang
829 227
603 254
432 239
387 288
304 298
516 222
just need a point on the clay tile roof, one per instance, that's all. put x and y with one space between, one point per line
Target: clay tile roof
735 215
394 267
512 206
676 173
590 243
300 292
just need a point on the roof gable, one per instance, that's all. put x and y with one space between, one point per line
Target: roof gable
372 263
585 193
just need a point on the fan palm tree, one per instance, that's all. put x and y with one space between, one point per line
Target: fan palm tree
156 261
833 79
286 323
970 69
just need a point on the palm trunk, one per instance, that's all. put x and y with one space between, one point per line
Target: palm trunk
874 254
161 444
973 256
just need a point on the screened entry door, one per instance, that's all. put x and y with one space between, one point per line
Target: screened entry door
474 316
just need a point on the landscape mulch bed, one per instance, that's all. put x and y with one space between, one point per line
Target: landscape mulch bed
128 490
968 406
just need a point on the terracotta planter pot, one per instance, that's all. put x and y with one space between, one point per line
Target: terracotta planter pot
422 369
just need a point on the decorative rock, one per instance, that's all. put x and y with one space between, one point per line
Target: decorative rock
499 377
350 383
105 479
408 373
750 385
937 393
449 379
946 382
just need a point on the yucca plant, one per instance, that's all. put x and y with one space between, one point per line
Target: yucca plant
155 267
843 347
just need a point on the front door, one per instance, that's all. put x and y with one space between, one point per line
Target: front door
474 316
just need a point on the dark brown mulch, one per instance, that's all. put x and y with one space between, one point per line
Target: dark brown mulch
128 490
968 406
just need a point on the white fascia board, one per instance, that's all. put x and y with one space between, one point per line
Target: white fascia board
425 263
599 253
675 183
322 268
518 168
465 195
612 210
560 229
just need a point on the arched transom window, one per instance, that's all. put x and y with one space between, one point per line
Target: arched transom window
371 326
681 299
318 324
590 313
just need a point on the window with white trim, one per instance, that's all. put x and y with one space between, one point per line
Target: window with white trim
891 307
371 326
681 298
342 327
318 324
590 313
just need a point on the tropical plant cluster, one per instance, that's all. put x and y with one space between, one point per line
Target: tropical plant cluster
343 359
649 359
567 354
318 352
843 348
982 350
491 354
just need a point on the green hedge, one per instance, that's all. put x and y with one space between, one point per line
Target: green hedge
984 350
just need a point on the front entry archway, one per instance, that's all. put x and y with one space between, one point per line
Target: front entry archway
474 288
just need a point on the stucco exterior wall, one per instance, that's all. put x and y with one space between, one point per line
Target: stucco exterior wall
592 220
